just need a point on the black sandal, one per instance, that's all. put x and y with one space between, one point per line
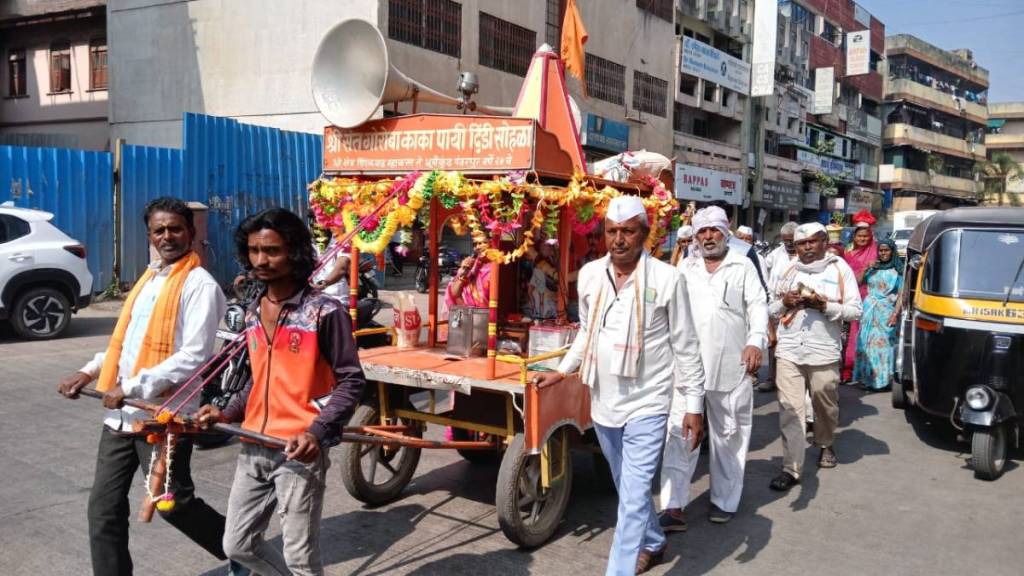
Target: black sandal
783 482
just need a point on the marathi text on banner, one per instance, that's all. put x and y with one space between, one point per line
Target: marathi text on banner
431 143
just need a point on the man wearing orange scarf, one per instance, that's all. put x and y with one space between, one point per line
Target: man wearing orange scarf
166 331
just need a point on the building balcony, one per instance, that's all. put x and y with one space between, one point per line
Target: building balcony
907 135
1006 110
782 169
920 181
713 99
902 89
707 153
942 59
1004 141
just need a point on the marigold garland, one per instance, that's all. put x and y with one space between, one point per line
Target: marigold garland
489 208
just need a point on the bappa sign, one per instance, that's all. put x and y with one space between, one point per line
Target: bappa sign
704 185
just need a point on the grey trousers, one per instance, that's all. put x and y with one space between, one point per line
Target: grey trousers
265 480
794 381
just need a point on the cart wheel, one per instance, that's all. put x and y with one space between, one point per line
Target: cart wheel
481 457
527 513
988 452
899 394
375 474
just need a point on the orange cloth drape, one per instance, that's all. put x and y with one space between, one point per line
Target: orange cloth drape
158 343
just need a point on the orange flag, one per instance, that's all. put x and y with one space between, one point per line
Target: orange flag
574 36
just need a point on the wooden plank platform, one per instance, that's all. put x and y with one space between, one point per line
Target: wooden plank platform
436 369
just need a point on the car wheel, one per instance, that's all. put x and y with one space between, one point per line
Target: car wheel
40 313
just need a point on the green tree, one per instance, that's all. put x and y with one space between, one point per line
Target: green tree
996 173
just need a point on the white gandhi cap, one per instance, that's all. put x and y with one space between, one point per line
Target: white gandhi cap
622 208
809 230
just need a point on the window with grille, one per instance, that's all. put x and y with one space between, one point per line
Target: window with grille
649 94
555 15
17 84
505 46
98 64
606 80
659 8
431 24
60 68
832 33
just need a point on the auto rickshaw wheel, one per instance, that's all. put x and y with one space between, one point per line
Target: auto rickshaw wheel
899 394
529 513
376 474
988 452
481 457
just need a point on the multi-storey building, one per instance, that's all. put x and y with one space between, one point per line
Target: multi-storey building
251 60
53 85
1006 134
776 142
837 141
935 107
712 87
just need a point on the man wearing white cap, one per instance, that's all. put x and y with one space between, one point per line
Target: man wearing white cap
731 316
778 261
746 234
636 342
812 297
684 238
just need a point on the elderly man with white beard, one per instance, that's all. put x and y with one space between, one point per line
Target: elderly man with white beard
636 343
730 311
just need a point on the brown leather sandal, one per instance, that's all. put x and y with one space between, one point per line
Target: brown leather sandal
648 559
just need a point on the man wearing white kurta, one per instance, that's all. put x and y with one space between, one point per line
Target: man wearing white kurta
730 311
778 261
811 299
636 343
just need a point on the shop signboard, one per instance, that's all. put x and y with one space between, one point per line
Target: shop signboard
713 65
762 58
782 195
824 87
704 185
858 199
833 167
599 132
858 52
812 200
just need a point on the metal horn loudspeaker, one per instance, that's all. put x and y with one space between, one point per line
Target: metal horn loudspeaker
353 76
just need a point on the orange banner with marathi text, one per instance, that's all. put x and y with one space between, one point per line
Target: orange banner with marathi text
422 142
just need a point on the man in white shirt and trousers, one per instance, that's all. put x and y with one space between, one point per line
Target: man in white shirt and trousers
730 312
635 345
812 298
166 331
778 261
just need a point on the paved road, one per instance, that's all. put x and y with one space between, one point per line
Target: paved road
901 502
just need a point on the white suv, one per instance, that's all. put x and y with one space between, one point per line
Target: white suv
43 274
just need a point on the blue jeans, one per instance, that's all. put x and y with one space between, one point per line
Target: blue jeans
633 453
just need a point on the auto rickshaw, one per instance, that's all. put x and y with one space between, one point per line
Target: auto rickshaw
961 344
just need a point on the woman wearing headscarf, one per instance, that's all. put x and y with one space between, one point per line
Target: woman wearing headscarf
876 340
860 255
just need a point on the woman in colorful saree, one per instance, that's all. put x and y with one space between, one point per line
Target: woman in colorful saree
876 340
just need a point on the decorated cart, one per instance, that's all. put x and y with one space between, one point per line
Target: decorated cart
517 186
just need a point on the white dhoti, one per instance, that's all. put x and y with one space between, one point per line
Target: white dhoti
730 416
